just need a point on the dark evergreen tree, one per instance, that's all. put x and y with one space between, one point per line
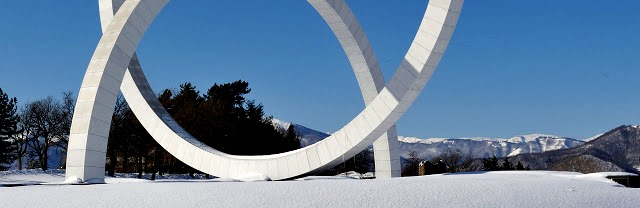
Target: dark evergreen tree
117 135
440 167
223 119
8 128
131 148
239 126
165 99
168 163
506 165
186 109
519 166
291 141
490 164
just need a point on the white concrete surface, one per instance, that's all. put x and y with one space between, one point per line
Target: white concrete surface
365 66
116 52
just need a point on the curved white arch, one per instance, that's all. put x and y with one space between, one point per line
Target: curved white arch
107 71
364 63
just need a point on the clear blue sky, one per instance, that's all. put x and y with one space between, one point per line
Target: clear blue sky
569 68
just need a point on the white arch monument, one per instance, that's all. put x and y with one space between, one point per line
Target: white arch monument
115 67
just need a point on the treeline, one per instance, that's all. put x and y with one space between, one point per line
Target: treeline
449 161
39 129
454 161
222 118
492 164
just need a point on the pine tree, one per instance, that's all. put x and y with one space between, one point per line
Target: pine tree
8 128
291 139
222 119
506 165
440 167
519 166
490 164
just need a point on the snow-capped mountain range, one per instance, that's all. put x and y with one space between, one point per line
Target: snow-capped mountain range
479 146
486 147
616 150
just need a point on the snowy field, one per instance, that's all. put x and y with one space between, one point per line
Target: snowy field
481 189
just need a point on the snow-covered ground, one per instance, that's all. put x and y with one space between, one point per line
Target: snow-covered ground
480 189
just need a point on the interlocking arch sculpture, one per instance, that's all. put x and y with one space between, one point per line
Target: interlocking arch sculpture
114 67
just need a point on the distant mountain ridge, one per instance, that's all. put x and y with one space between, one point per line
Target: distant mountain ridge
479 146
307 136
616 150
487 147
